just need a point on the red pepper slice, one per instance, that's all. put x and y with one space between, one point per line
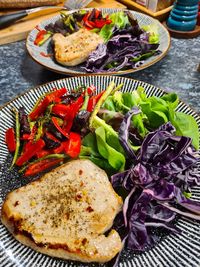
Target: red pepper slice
97 13
68 112
86 16
88 28
74 108
10 139
39 109
93 101
55 122
73 145
61 110
56 93
91 89
52 137
30 151
42 153
26 137
45 102
26 146
90 24
77 104
39 36
41 166
58 150
68 125
101 23
45 55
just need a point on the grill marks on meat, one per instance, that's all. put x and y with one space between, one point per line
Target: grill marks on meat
75 48
66 213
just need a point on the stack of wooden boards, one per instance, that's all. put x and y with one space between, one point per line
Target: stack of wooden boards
19 30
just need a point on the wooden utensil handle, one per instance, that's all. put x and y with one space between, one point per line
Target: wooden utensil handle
9 19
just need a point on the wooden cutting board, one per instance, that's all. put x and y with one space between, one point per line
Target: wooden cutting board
20 29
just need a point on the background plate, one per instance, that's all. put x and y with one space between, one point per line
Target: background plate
172 251
50 63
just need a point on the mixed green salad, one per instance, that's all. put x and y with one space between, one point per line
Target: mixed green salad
126 44
148 149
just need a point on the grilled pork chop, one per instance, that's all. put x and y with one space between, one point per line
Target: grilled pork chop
65 213
75 48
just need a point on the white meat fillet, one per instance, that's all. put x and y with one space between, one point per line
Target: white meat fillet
74 49
66 212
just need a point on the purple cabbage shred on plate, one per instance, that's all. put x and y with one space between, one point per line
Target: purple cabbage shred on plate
127 49
155 184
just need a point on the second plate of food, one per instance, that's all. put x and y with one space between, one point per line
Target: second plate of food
106 41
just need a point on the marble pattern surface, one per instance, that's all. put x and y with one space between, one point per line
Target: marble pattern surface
176 72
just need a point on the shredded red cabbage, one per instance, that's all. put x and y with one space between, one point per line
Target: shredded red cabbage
126 49
154 184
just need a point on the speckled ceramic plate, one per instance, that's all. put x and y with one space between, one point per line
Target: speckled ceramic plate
181 250
38 52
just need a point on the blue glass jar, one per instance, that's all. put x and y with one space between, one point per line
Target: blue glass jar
183 16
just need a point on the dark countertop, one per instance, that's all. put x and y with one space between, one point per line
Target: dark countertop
176 72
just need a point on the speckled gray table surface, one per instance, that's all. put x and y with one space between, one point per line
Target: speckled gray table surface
176 72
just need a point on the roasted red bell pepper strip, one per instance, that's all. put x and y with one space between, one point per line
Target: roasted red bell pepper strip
91 89
87 28
10 139
41 107
26 146
25 137
39 37
74 108
76 105
69 117
61 110
59 149
90 24
52 137
93 100
30 151
67 126
97 13
41 166
100 23
55 122
86 16
56 94
73 145
42 153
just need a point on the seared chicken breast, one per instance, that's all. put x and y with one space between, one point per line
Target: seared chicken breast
65 213
74 49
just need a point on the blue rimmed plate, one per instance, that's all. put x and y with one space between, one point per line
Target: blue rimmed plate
38 52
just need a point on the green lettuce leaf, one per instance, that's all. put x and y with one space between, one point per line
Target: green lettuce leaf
186 126
115 158
152 29
119 19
